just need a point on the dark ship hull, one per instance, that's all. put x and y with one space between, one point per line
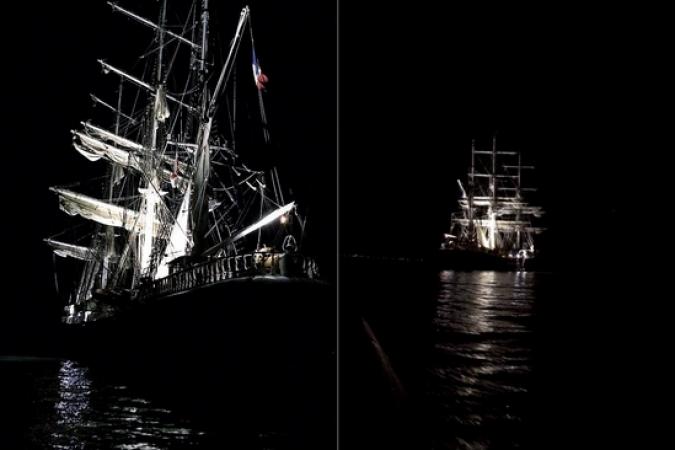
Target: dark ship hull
263 346
475 259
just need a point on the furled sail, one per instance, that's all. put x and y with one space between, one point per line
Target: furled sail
135 148
86 153
200 207
161 106
105 134
179 241
91 148
99 211
65 250
94 149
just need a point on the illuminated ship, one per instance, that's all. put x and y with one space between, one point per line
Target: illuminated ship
495 226
177 212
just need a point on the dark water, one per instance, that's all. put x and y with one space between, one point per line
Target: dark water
254 372
471 349
63 404
486 359
482 366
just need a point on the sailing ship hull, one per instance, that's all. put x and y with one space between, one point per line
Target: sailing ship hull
257 344
474 259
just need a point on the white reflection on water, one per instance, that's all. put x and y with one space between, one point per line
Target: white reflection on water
482 358
78 411
74 392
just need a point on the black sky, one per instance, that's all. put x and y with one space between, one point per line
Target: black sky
584 90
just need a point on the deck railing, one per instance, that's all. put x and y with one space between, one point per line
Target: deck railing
228 267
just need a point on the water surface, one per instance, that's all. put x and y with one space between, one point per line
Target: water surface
482 365
51 403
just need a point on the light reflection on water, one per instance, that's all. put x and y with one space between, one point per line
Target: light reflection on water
482 360
73 410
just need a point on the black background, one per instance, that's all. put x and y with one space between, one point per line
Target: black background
584 90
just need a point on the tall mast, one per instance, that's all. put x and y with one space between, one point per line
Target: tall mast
208 108
160 32
262 203
227 67
205 36
492 230
493 178
518 199
114 175
201 160
471 189
151 192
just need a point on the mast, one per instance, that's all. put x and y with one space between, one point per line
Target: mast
199 204
493 203
199 216
520 166
205 38
109 247
151 192
471 189
518 199
262 204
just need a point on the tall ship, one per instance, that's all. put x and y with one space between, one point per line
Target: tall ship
185 242
184 263
495 226
177 208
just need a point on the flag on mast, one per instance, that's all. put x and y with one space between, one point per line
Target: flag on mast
258 76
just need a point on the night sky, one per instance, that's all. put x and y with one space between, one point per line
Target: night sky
584 91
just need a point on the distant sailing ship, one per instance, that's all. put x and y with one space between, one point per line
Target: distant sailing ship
179 209
495 226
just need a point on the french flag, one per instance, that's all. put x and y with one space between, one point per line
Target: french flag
259 77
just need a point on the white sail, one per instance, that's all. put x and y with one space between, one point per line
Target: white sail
87 154
65 250
96 147
202 169
161 107
148 231
179 241
74 203
119 140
